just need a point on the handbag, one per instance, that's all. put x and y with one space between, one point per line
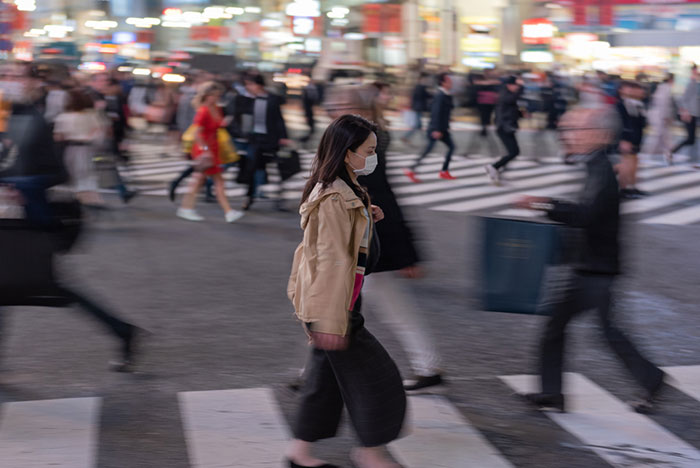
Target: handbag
187 139
204 162
227 152
288 164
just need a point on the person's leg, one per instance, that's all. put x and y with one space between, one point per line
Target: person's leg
390 296
692 130
428 149
690 135
648 375
190 198
417 124
178 180
554 338
485 118
221 192
447 139
119 328
320 409
511 143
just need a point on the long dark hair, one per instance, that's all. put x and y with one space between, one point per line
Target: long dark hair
347 132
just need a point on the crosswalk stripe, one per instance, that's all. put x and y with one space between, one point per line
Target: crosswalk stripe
661 200
499 195
688 215
611 429
441 438
686 379
468 177
49 433
241 427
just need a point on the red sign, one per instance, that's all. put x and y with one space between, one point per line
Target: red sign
537 31
382 18
605 13
208 33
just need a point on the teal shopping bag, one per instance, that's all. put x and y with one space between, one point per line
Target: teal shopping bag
516 256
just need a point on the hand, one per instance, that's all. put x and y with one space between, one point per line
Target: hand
377 214
329 342
685 115
285 142
227 121
625 147
411 272
436 135
526 202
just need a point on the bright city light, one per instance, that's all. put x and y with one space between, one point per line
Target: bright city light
141 72
26 5
103 25
304 8
253 9
173 78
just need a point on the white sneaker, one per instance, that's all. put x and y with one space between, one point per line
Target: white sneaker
493 174
233 216
188 214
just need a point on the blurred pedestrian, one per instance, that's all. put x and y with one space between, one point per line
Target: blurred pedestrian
507 117
56 101
348 367
388 291
662 114
268 134
420 104
310 97
632 113
586 134
439 128
486 98
689 107
205 151
79 130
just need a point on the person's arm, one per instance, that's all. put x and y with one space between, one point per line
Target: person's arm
200 120
327 297
588 210
279 121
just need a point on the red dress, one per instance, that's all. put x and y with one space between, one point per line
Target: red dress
208 125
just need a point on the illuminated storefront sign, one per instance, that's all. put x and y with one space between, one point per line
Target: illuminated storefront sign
537 31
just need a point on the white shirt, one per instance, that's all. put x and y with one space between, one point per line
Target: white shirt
260 115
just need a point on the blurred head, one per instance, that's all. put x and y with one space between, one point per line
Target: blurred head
344 146
99 81
585 130
512 83
444 81
78 101
383 96
255 84
631 90
670 78
20 83
694 72
208 94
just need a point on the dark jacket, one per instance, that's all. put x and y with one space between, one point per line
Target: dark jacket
420 99
632 125
274 121
441 113
507 110
598 214
28 147
395 237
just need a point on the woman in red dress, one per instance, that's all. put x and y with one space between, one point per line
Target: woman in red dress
209 119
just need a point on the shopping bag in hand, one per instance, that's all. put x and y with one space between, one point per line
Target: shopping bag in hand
227 152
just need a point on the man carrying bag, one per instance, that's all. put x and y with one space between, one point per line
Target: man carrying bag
585 134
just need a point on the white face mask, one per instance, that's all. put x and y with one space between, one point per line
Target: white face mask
371 162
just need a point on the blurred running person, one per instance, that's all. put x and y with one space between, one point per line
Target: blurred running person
632 113
507 116
209 119
689 107
662 114
348 366
420 102
439 128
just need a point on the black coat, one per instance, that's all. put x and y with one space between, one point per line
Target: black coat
632 125
420 99
274 121
395 237
440 113
507 110
28 147
598 214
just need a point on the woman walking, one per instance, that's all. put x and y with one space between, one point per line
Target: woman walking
661 114
388 292
348 366
209 119
80 129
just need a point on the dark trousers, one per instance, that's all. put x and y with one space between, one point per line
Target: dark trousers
362 378
447 140
118 327
310 120
485 113
511 143
690 128
33 189
590 292
257 150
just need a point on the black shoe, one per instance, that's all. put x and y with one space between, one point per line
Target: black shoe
422 383
325 465
247 204
130 350
545 401
646 404
128 195
639 193
629 194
